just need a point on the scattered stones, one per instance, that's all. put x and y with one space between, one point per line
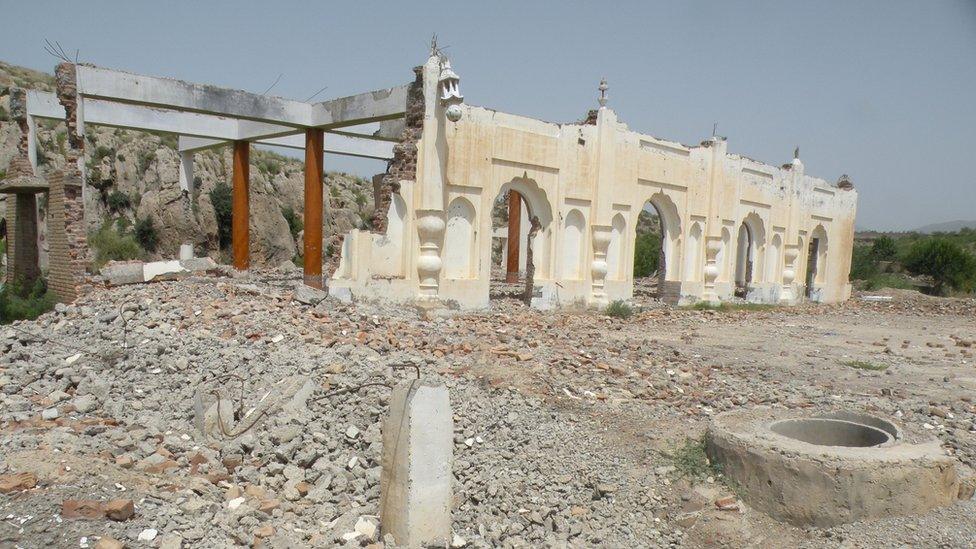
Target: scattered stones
17 482
119 509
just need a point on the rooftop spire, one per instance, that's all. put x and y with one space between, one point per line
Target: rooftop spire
603 92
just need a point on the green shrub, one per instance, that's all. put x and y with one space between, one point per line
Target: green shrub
647 253
222 201
101 152
16 303
295 223
884 249
619 309
118 201
948 263
112 245
146 235
888 280
3 115
863 263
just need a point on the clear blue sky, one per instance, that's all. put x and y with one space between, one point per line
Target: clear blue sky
882 90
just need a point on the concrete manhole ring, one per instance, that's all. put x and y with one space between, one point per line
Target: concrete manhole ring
831 468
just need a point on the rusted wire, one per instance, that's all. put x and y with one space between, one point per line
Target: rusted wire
220 419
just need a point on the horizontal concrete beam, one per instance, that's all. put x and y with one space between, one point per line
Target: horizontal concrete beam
43 104
167 92
138 117
107 84
374 106
333 144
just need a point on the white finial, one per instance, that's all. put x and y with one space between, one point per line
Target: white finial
603 92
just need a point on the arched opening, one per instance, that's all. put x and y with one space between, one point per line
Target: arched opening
773 268
743 260
615 266
816 260
520 232
691 252
574 231
657 232
748 245
460 240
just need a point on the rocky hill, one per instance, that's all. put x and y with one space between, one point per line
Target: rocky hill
136 175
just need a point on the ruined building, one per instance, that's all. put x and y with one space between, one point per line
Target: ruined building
730 225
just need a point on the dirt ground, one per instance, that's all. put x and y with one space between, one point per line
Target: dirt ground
585 394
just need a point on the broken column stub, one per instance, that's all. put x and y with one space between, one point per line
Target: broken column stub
415 483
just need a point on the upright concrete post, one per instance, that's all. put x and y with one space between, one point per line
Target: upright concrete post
415 479
514 234
312 245
240 207
186 188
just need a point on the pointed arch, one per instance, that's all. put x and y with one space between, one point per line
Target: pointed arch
459 240
574 233
774 268
692 252
615 263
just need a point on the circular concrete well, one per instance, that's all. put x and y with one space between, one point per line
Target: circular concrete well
830 432
828 469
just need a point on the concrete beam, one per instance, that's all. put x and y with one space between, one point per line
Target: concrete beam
140 117
167 92
334 144
107 84
363 108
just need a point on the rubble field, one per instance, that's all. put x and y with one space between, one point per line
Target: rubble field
245 409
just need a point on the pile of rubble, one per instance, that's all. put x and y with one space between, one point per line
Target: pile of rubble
215 411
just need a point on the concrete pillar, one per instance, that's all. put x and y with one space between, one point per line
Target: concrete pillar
186 188
64 272
514 234
240 214
416 474
22 231
312 245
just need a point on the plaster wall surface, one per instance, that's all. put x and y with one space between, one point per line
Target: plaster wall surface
587 184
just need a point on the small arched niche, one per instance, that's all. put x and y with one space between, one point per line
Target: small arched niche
460 240
572 249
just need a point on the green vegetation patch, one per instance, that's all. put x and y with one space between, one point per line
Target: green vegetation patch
619 309
111 244
19 303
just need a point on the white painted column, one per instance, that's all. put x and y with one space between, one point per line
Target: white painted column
186 187
416 474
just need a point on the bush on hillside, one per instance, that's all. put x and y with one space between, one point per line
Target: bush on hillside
110 244
118 201
948 263
145 234
295 223
220 198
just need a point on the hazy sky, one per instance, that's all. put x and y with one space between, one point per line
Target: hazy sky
884 90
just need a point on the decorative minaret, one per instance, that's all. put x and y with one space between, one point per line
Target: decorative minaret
606 124
442 99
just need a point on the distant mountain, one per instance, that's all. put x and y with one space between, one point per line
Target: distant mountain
947 227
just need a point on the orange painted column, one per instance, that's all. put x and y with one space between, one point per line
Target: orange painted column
241 207
312 245
514 230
